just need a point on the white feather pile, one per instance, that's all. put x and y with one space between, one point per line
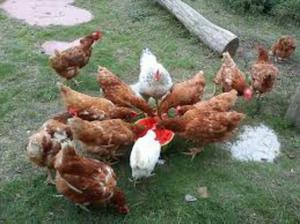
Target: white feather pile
255 144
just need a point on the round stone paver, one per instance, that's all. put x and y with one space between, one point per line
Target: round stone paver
49 47
47 12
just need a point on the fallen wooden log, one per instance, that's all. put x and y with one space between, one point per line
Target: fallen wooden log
293 112
215 37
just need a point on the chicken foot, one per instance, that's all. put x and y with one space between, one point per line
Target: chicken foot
193 152
214 90
161 162
76 82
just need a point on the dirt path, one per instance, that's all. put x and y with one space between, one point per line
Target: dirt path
47 12
50 46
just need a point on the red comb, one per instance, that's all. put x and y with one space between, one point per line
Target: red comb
133 114
97 35
73 111
248 94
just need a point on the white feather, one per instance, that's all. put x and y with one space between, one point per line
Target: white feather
144 155
148 59
136 89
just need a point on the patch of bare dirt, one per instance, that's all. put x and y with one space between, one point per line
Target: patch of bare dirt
47 12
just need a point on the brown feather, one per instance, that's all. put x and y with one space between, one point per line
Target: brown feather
230 77
284 47
86 181
68 62
184 93
119 92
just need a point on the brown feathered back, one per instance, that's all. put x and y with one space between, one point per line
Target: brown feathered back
284 47
119 92
68 62
221 103
263 73
230 77
86 181
204 127
187 92
92 108
103 137
46 142
213 126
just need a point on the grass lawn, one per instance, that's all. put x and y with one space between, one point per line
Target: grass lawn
239 192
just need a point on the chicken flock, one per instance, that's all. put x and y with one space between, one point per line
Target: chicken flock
81 143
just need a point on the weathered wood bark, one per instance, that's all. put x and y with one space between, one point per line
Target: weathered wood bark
293 112
217 38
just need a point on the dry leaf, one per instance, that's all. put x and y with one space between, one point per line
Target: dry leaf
203 192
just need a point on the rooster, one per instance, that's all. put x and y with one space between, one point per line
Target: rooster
230 77
68 62
119 92
284 47
46 143
184 93
263 73
92 108
154 80
87 181
144 155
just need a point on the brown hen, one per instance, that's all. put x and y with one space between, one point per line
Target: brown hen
46 143
204 127
221 103
68 62
87 181
105 138
92 108
230 77
187 92
284 47
263 73
119 92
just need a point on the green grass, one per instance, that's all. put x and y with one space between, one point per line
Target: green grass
239 192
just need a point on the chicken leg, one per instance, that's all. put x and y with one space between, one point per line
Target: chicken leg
157 108
258 104
49 180
134 181
83 207
76 82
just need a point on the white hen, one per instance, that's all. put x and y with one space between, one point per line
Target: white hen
144 155
154 80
